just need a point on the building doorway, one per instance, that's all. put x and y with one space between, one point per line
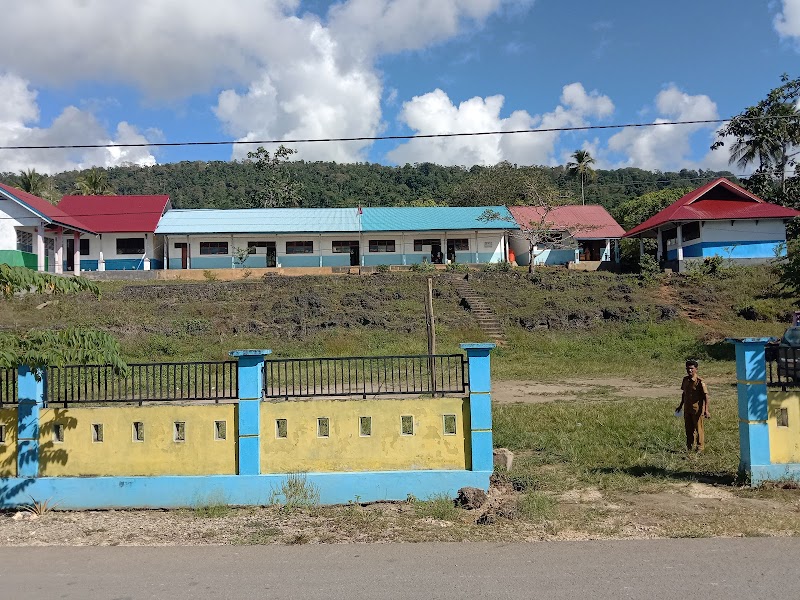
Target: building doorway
355 254
436 253
70 254
184 249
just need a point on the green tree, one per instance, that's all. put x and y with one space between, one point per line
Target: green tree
32 182
636 211
278 188
94 183
581 167
768 135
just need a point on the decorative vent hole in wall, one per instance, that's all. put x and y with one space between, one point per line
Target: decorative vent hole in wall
220 430
449 424
783 417
58 433
323 427
179 431
281 428
365 426
2 434
138 431
407 425
97 432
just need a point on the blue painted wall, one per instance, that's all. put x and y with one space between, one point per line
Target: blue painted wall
298 260
336 260
211 262
383 258
754 249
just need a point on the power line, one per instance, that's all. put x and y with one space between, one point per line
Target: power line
386 137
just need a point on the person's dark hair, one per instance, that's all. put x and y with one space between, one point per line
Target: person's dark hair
692 363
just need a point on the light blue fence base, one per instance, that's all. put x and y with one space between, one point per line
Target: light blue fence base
760 474
88 493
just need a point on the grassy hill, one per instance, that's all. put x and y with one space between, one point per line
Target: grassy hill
558 323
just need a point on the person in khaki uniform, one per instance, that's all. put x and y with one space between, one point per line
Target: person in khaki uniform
694 401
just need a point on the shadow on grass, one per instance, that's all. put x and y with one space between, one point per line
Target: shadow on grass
728 479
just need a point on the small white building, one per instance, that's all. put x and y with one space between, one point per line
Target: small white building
717 219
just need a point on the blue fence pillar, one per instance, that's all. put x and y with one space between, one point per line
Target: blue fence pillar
31 397
250 392
480 405
751 384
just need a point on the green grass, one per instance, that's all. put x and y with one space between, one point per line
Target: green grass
624 445
438 506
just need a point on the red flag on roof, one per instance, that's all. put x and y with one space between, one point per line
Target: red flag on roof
359 210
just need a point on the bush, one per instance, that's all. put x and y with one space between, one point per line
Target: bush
209 275
649 269
457 268
423 267
499 267
382 268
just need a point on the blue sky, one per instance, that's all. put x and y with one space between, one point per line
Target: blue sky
100 71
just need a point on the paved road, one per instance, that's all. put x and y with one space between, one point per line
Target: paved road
729 569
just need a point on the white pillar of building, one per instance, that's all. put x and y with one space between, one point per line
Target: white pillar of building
76 253
659 241
679 242
40 252
641 246
59 251
608 250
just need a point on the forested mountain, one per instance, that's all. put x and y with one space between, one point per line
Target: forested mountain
220 184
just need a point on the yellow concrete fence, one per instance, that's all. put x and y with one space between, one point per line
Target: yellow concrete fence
8 442
784 427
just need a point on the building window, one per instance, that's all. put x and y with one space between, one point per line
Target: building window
343 247
406 425
84 247
450 424
25 242
130 246
323 427
461 245
299 247
418 244
690 231
365 426
281 428
381 245
213 247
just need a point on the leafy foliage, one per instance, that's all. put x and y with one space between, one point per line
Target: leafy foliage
40 348
633 212
20 279
279 187
768 135
94 182
788 268
581 168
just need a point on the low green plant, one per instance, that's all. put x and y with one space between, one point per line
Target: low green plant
382 268
209 275
39 507
247 273
214 510
457 268
649 269
439 506
499 267
295 492
423 267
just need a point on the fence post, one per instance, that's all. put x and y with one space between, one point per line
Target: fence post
31 396
480 405
751 385
250 391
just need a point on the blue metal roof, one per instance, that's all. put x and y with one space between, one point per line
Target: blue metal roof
434 218
322 220
259 220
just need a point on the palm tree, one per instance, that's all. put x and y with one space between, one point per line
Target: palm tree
582 166
94 183
32 182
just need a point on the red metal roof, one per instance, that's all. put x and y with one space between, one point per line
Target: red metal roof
116 214
717 200
592 222
51 213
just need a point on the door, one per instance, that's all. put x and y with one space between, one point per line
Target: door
355 258
451 251
184 248
272 255
70 254
436 253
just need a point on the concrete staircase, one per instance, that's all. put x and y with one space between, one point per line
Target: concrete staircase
471 300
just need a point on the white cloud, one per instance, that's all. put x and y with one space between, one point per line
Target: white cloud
19 112
435 113
787 23
665 147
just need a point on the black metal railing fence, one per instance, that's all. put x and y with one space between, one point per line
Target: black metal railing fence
365 376
783 366
144 382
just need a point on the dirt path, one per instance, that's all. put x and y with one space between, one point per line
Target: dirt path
507 392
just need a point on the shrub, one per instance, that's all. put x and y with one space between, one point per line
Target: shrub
457 268
209 275
423 267
499 267
649 269
382 268
295 492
